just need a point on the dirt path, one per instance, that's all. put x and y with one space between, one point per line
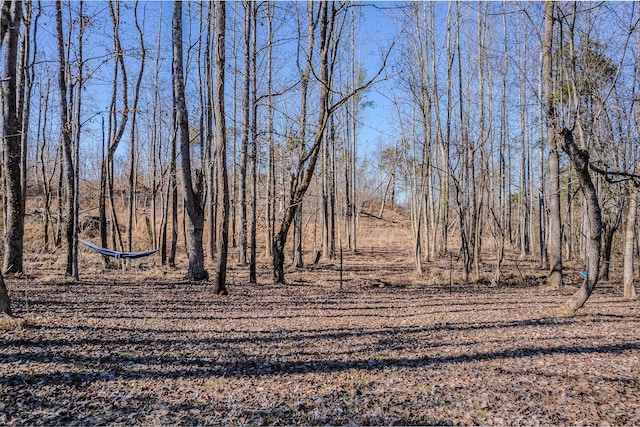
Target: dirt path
170 352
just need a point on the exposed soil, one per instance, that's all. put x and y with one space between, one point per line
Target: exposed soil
145 347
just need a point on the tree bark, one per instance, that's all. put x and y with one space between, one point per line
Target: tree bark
302 177
609 233
271 164
210 158
297 225
629 240
580 160
554 243
65 134
132 139
78 134
222 248
10 122
12 134
193 197
46 180
305 170
160 232
254 146
298 257
5 301
115 130
172 200
28 55
244 142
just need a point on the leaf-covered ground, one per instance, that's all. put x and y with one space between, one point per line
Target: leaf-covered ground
116 349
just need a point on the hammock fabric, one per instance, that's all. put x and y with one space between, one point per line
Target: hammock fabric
116 254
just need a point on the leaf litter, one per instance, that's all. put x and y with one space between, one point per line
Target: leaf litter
120 351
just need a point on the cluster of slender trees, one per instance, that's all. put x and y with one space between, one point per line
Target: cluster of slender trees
178 145
520 131
514 128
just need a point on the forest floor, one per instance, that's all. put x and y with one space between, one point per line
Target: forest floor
145 347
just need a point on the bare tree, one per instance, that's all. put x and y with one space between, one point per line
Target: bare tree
65 135
43 157
77 131
271 163
10 18
193 196
209 130
580 160
159 232
115 133
554 243
221 153
629 240
244 141
585 76
12 135
306 167
254 143
632 205
304 170
353 108
134 129
305 74
28 55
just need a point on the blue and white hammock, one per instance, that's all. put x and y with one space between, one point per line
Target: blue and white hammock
116 254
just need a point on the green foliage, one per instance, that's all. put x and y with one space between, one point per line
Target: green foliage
587 71
293 144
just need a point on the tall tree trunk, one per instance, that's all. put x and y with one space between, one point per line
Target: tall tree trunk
352 208
302 178
10 18
629 240
172 201
305 169
210 158
78 135
554 243
156 144
271 178
193 197
60 193
332 188
580 160
12 133
221 153
65 132
115 132
437 174
102 198
233 191
446 175
525 142
298 258
254 146
504 136
542 229
27 59
42 148
297 225
244 142
132 139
